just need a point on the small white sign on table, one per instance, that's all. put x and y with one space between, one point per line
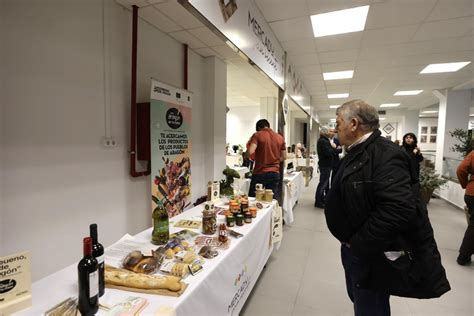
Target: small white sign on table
15 283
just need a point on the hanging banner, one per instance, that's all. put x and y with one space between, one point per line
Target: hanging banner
296 89
170 119
243 24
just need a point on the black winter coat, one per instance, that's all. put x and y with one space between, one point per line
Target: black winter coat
380 210
325 152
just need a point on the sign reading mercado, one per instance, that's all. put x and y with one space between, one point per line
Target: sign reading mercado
243 24
170 119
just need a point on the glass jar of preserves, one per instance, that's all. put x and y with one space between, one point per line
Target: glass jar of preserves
209 220
239 220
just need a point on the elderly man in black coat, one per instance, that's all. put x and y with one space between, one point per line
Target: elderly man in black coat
374 209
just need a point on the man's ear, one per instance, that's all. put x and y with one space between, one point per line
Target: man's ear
354 124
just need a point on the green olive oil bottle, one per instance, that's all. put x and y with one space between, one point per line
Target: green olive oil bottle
161 230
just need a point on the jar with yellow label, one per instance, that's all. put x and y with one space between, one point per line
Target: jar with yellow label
259 194
268 196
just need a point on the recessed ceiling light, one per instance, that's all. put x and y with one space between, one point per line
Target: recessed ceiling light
306 107
446 67
429 111
339 22
334 106
332 120
408 92
389 105
338 75
382 118
338 95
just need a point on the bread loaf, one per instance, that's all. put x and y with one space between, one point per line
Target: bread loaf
127 278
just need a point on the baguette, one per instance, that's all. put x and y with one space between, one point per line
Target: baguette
127 278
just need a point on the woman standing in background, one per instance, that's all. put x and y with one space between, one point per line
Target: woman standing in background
410 144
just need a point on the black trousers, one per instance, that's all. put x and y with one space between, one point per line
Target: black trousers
323 186
467 245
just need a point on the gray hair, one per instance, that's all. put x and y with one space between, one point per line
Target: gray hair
363 112
324 131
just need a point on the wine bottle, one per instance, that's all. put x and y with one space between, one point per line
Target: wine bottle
88 277
161 230
98 254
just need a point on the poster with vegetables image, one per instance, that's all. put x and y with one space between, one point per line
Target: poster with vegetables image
170 119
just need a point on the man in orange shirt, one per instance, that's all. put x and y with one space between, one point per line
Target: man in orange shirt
270 149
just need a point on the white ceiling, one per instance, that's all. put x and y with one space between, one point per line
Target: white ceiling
401 37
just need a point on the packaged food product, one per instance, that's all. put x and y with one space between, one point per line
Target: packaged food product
230 221
253 211
268 196
247 218
208 252
239 220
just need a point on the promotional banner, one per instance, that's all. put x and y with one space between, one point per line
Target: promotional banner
243 24
170 119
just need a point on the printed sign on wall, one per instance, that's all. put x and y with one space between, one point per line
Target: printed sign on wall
170 118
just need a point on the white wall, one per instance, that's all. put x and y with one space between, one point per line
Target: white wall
426 122
395 134
60 179
241 124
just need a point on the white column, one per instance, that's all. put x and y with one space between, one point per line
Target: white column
453 113
268 111
215 74
410 123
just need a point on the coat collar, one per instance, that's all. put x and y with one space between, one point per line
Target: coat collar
358 154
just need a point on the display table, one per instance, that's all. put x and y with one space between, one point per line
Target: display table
293 185
221 288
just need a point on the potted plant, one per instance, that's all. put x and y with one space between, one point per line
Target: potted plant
464 141
429 181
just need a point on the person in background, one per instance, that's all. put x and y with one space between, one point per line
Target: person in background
387 242
270 149
464 173
325 163
409 144
337 150
248 161
299 151
397 142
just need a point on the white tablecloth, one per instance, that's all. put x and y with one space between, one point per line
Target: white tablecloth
293 185
220 289
233 160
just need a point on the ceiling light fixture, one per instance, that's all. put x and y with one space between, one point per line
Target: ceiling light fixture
430 111
382 118
338 75
445 67
408 92
332 120
389 105
338 95
334 106
340 22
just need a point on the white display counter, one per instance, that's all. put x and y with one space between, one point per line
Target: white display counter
293 185
221 288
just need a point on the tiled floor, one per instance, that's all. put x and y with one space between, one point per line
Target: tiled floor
305 276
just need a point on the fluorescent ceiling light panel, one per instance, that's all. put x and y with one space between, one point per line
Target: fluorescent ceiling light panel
338 75
446 67
389 105
334 106
338 95
332 120
434 111
408 92
339 22
382 118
